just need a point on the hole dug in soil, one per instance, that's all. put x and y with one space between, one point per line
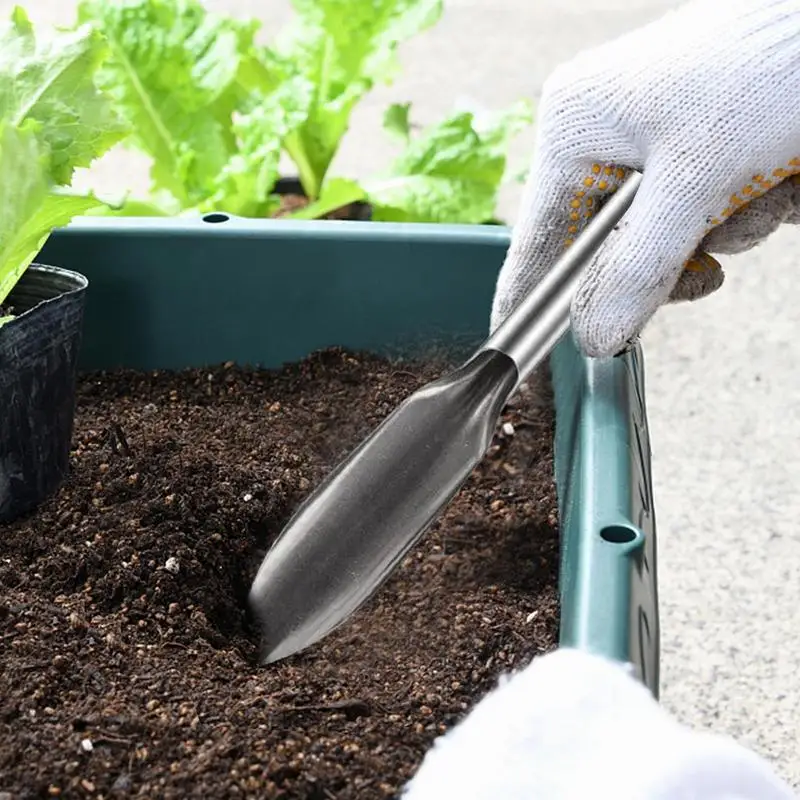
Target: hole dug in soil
129 665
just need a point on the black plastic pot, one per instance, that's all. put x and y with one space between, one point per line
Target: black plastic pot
38 364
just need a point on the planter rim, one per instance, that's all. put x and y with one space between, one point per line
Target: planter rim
233 225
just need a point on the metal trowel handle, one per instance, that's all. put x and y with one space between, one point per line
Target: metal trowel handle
533 329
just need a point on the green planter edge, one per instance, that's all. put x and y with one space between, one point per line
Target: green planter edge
166 293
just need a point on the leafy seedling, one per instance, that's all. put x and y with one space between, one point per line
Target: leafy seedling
172 73
53 120
450 173
215 111
341 49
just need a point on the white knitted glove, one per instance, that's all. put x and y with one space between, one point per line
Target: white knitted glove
705 101
572 726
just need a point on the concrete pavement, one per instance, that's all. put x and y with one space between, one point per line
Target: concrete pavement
723 385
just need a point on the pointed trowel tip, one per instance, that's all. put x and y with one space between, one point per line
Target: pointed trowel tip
281 635
276 649
270 654
271 648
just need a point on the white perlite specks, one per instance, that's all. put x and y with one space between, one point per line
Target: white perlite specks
172 565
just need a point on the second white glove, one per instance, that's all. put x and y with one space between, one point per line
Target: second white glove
573 726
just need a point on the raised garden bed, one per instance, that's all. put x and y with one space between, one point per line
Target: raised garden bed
125 593
167 686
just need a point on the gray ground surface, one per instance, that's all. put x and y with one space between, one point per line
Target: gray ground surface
724 395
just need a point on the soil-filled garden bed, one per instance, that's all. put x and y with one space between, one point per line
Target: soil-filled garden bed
128 665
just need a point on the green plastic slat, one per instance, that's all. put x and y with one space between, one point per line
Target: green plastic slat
172 293
609 598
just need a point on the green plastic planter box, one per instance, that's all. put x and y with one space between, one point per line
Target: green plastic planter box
172 293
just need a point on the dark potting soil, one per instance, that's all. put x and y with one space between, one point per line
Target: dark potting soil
129 667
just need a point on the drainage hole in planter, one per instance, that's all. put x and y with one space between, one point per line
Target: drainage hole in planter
216 218
618 534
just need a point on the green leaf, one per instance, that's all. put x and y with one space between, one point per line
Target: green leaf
173 73
53 119
336 193
245 182
396 122
451 173
365 34
30 210
57 209
23 188
343 48
50 81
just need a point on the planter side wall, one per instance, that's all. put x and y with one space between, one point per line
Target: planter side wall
169 293
172 293
608 582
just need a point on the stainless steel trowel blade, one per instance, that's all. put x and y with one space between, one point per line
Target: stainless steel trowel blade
348 536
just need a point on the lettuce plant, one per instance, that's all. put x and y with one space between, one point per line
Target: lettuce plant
339 49
53 119
450 173
172 73
215 110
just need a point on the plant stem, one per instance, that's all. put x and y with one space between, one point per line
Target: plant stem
309 179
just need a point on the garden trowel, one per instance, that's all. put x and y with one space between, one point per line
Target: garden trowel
350 534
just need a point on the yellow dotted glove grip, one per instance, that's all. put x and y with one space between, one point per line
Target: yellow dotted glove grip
702 273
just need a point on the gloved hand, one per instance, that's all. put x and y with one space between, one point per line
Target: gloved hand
704 101
572 726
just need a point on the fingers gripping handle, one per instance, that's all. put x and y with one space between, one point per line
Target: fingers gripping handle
533 329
